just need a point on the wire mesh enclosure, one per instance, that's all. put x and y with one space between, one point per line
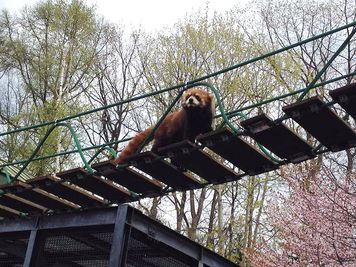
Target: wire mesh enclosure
144 251
116 236
90 248
13 249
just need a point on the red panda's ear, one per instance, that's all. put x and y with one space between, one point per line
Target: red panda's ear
184 95
183 98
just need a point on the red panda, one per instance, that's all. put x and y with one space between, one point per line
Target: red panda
194 118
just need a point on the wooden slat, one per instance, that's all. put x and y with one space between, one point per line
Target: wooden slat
20 204
278 138
322 123
346 97
66 191
188 156
237 151
6 212
162 170
97 185
38 196
129 178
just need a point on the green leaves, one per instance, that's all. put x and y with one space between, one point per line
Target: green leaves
49 49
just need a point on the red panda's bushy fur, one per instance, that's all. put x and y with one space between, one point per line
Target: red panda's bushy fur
195 117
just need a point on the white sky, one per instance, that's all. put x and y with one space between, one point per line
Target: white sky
151 15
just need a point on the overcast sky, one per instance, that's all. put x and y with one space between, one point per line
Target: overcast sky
152 15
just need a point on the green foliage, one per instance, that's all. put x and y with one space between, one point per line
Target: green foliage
50 48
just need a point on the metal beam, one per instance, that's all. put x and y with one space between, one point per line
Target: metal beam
119 240
95 217
91 241
32 249
178 242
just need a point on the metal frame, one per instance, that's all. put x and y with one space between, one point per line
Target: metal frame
123 219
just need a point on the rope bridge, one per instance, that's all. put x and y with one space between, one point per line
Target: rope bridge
147 174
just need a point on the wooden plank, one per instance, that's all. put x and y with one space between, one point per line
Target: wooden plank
346 97
237 151
6 212
97 185
278 138
20 204
322 123
162 170
38 196
66 191
187 155
129 178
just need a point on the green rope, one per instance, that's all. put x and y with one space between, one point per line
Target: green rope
317 148
39 145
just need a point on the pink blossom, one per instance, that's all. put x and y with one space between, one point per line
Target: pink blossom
315 224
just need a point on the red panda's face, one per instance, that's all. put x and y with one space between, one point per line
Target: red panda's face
197 98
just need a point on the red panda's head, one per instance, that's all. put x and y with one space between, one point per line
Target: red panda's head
197 98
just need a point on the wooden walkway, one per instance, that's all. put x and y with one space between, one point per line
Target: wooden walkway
150 175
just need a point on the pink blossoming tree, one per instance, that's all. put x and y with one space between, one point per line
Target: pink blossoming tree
314 224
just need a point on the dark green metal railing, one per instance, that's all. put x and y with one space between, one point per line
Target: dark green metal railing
230 114
226 116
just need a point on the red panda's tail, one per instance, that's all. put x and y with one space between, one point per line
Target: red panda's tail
133 145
